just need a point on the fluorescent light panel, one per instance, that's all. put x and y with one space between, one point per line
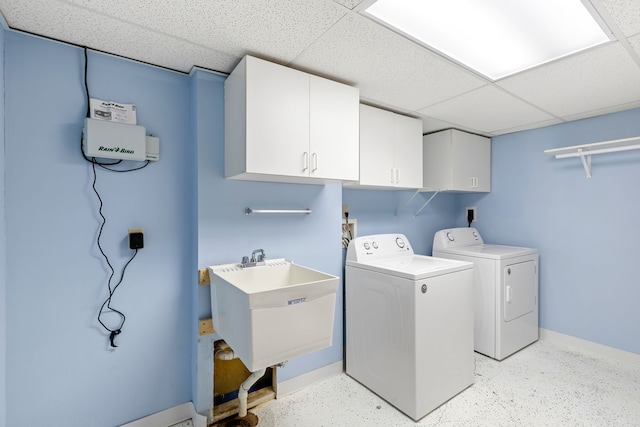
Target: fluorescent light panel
496 38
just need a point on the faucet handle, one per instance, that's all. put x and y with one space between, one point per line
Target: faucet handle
245 260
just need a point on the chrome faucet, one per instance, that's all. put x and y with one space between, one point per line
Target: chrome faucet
260 253
254 261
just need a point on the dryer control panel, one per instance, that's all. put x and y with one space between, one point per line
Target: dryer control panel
370 248
456 237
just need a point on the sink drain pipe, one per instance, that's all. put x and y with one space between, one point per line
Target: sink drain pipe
243 392
222 351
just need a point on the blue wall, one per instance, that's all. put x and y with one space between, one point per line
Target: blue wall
3 259
586 229
60 368
379 212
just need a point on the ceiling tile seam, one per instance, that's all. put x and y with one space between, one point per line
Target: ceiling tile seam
347 12
615 29
529 103
168 35
453 97
551 115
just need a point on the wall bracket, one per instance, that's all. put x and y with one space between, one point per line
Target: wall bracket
426 203
585 151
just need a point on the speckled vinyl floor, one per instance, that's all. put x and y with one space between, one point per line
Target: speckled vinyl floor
545 384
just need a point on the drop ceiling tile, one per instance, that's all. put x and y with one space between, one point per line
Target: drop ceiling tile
384 65
487 109
349 3
596 79
602 111
635 43
278 30
80 26
626 14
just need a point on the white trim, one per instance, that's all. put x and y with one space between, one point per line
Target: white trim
592 347
170 417
305 380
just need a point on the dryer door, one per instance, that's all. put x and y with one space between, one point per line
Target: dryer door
519 289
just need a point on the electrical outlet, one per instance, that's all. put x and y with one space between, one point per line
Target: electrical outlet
470 213
349 231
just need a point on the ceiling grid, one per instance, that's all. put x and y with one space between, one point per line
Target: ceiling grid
333 39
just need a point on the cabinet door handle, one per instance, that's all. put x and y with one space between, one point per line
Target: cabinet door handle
305 157
392 176
315 162
397 176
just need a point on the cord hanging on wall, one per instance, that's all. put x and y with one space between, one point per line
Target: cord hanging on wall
115 328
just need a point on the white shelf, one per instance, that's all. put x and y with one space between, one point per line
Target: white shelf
585 151
250 211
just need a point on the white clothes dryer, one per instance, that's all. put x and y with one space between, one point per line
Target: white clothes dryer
505 290
409 323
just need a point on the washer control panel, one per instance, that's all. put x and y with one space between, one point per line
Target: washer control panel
369 248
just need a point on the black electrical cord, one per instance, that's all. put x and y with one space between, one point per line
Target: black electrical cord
94 162
86 91
107 302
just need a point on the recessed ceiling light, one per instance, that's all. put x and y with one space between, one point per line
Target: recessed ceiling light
496 38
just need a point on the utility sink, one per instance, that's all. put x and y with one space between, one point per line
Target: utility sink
273 312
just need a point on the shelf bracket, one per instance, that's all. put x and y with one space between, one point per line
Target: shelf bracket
586 161
426 203
413 196
585 151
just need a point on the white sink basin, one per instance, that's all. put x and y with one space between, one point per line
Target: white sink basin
269 314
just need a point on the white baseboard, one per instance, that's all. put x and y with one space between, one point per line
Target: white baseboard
305 380
591 347
170 417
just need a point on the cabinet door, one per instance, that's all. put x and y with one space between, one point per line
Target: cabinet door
471 162
437 161
407 151
277 119
334 130
376 147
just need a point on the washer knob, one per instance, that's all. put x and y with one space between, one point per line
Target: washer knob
450 236
375 245
367 246
400 242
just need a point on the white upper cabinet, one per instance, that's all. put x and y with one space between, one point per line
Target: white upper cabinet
457 161
390 149
285 125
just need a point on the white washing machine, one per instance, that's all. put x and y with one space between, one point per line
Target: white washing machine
409 323
505 290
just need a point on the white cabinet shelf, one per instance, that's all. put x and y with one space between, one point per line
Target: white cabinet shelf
457 161
284 125
585 151
390 150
